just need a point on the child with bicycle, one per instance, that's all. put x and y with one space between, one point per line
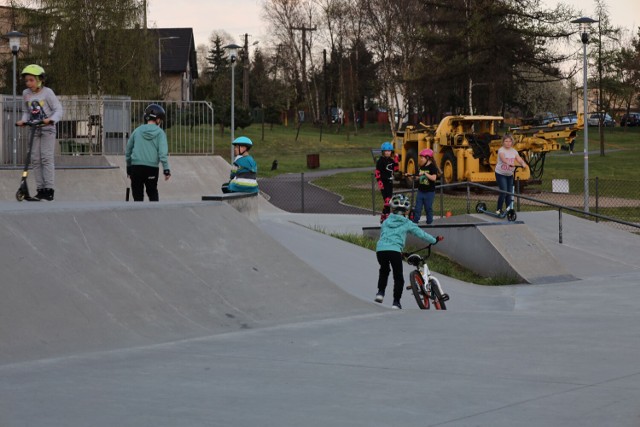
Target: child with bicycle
385 167
393 234
505 166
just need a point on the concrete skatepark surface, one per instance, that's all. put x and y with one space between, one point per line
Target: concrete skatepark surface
183 313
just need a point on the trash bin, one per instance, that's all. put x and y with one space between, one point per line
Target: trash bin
313 161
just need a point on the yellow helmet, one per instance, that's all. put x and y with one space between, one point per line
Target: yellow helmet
34 70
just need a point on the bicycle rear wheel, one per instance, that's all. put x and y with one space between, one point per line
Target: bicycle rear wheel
438 302
417 286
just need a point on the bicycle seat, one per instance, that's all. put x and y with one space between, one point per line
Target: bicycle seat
414 259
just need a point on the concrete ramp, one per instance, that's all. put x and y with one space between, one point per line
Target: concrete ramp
492 248
83 277
106 179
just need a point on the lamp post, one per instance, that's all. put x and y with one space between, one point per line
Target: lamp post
160 52
14 43
233 57
584 24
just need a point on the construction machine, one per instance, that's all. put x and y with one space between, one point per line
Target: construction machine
466 147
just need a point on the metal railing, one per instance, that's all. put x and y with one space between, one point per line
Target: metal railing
536 202
103 126
615 203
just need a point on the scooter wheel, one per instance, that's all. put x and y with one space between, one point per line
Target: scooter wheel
481 207
20 195
511 215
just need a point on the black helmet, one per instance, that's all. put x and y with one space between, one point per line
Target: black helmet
153 112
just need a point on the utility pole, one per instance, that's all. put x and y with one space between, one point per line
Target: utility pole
304 51
326 86
246 64
245 73
144 5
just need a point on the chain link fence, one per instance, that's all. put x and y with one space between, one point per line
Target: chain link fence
611 201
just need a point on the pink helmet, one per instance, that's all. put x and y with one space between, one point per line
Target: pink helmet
427 152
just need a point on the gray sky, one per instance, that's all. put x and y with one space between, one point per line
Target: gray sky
237 17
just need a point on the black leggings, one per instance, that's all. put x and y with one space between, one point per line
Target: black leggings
387 193
390 260
141 177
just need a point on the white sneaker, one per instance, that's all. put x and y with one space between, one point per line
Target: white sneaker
396 305
379 297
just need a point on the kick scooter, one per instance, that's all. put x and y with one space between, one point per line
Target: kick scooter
23 190
509 213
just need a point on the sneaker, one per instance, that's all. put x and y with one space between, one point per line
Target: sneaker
47 194
499 212
39 196
408 287
396 305
379 297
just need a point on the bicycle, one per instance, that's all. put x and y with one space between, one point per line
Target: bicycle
425 287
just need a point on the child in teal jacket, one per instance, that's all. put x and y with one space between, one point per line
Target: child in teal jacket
146 148
244 172
393 234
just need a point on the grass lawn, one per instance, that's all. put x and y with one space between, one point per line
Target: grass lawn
344 148
337 147
616 170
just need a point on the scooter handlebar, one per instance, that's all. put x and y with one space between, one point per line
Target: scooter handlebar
32 123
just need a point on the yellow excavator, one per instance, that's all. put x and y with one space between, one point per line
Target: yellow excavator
466 147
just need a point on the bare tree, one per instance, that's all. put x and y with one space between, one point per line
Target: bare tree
291 23
394 29
607 37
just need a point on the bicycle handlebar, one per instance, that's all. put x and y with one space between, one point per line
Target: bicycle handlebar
428 247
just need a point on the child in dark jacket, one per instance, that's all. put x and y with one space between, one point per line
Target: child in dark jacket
385 167
393 234
146 148
427 175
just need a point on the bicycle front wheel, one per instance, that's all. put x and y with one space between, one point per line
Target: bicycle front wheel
417 286
438 302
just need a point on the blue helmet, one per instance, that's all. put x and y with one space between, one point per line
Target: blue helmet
386 146
242 140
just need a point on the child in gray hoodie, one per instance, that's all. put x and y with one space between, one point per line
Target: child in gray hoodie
42 107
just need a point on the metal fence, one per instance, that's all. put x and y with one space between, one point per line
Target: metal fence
611 201
102 126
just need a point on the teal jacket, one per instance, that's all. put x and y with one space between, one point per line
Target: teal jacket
243 175
393 233
147 146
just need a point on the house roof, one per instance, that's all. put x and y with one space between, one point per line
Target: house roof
177 49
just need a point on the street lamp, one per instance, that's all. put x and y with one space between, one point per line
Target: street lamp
584 24
160 52
233 57
14 43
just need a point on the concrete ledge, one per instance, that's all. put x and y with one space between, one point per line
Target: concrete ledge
228 196
245 203
494 249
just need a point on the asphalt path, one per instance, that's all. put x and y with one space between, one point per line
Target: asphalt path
286 192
